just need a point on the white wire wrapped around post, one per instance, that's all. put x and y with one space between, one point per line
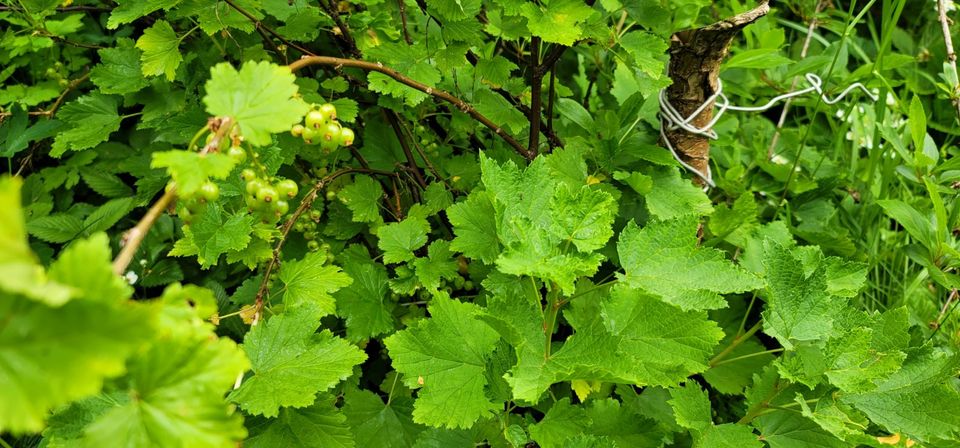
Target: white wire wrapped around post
670 118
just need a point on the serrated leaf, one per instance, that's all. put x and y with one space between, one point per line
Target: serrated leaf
104 183
90 120
673 196
58 228
319 425
310 281
377 424
119 69
179 384
557 22
211 235
445 356
438 264
365 304
260 97
15 136
664 258
292 363
583 217
130 10
108 214
161 50
398 240
85 267
691 406
475 227
190 170
362 197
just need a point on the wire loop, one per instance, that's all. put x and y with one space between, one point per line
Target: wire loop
670 118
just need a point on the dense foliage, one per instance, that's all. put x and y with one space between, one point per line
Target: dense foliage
451 224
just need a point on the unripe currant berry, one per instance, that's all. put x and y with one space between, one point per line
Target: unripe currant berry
328 110
247 175
281 206
254 185
288 188
315 119
237 154
310 136
313 246
267 194
209 191
346 137
296 130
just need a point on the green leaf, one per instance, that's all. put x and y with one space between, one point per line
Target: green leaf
438 264
108 214
915 223
673 196
20 271
318 425
130 10
309 281
647 50
106 184
729 435
557 22
664 258
917 119
15 136
178 385
161 50
583 217
445 356
398 240
292 363
379 425
85 267
362 197
57 228
90 120
799 306
119 69
691 406
760 58
260 97
904 402
213 236
190 170
475 227
365 303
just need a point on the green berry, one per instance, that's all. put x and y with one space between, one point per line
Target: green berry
315 215
247 175
331 133
209 191
315 119
313 246
346 137
329 111
254 185
310 136
288 188
310 236
281 206
237 154
267 194
296 130
331 195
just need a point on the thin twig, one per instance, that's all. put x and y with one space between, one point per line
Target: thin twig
536 84
261 28
414 170
951 55
403 21
133 237
397 76
551 97
332 11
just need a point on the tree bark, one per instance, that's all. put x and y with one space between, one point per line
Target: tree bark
695 58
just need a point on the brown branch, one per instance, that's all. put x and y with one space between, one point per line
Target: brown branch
463 106
536 84
403 21
334 13
695 58
412 167
133 237
261 28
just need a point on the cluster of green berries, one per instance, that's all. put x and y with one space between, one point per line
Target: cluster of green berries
194 203
267 197
58 74
307 225
320 126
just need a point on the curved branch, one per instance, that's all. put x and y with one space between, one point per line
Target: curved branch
380 68
132 239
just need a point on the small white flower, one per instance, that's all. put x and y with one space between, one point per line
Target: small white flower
779 160
131 277
891 100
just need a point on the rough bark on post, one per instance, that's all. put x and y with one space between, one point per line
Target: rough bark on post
695 57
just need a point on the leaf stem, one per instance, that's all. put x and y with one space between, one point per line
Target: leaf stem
550 318
735 343
751 355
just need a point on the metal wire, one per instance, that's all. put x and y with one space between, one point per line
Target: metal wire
670 118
